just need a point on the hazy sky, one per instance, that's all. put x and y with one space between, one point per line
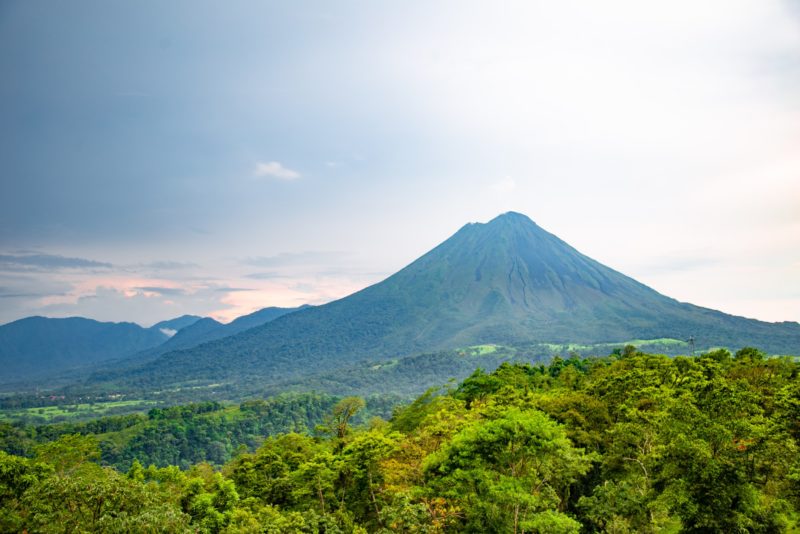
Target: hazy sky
160 158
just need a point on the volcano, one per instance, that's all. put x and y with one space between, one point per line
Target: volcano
503 282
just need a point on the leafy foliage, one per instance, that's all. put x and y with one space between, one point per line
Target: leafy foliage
632 442
185 435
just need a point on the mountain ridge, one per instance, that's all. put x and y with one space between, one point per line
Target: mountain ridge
207 329
40 346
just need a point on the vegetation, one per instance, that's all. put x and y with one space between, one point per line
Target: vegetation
184 435
59 413
632 442
409 377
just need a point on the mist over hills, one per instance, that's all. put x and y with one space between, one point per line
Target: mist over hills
504 282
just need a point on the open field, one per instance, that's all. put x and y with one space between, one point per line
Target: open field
75 412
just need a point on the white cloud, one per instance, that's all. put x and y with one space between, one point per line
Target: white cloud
273 169
506 185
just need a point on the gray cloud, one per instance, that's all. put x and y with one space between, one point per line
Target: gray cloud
10 293
48 262
35 286
265 276
169 291
304 288
309 257
167 265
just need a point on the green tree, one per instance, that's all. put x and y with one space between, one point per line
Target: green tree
510 473
343 412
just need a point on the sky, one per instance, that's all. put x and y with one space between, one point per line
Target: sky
213 158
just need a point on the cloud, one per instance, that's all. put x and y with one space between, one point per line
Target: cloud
668 265
169 265
302 287
28 290
506 185
14 262
172 291
117 300
595 109
273 169
308 257
265 276
232 289
9 293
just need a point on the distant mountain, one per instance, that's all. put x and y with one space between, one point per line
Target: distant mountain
35 349
505 282
197 332
39 347
257 318
176 324
208 329
191 335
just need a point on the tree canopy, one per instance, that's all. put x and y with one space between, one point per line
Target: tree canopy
631 442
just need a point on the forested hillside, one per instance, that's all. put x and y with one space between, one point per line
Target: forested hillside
409 377
632 442
184 435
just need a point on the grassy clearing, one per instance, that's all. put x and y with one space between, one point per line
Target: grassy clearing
75 412
638 343
479 350
483 350
385 365
659 341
